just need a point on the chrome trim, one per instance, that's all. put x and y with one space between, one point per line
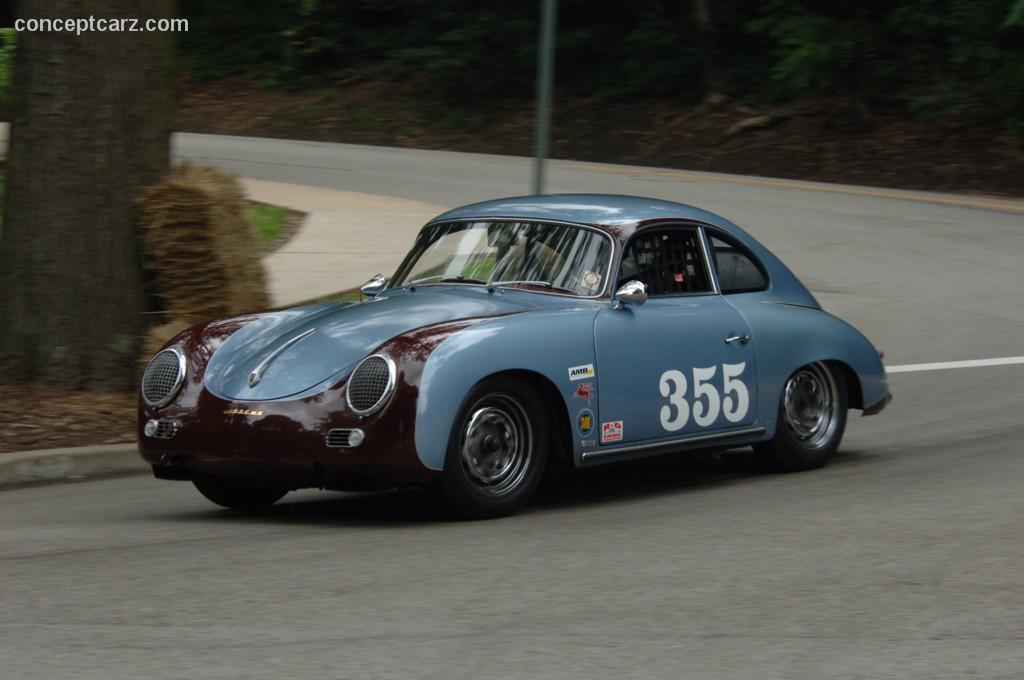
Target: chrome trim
166 429
605 286
388 390
521 282
712 269
182 369
653 448
633 292
334 435
374 286
257 373
744 339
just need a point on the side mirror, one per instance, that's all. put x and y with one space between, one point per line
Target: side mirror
633 292
374 286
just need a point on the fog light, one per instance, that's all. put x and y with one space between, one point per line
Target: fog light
356 437
150 428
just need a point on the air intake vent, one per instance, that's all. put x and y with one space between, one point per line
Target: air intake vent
344 438
371 384
163 377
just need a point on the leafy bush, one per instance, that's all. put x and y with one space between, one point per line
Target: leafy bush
932 57
6 61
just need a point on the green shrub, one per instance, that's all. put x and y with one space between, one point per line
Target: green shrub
6 61
933 58
269 220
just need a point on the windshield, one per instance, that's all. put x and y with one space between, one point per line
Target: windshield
562 258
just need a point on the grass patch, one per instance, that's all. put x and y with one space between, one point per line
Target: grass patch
351 295
269 220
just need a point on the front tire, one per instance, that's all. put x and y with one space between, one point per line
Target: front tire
238 495
811 420
497 450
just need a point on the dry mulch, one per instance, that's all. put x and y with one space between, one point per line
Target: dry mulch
38 418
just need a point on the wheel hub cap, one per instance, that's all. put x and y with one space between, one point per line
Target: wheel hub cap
496 445
810 405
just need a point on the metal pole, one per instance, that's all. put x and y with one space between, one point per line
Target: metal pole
545 69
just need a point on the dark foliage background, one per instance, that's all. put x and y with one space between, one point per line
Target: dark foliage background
935 59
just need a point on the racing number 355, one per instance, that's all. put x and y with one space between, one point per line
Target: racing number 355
707 404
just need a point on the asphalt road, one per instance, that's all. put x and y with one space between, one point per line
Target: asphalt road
901 560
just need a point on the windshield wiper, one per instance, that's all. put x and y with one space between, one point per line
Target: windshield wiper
441 278
522 282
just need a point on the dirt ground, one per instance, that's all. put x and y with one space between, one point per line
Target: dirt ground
37 418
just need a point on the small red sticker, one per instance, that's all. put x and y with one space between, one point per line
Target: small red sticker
611 431
585 391
678 277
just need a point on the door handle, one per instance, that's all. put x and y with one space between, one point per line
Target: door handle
744 339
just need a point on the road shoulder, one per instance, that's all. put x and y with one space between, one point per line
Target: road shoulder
48 466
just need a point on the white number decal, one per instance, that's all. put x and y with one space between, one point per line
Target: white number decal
708 403
734 410
673 386
703 388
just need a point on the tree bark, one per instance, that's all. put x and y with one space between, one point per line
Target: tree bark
90 129
713 80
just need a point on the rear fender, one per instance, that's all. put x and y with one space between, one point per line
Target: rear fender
787 337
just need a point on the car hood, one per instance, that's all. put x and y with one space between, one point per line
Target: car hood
303 347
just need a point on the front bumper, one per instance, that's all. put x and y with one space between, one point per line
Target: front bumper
284 442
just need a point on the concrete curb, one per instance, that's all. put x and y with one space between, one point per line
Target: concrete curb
48 466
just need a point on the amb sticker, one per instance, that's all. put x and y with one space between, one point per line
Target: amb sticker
585 390
611 431
585 422
581 372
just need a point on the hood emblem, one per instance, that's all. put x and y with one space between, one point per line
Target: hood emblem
257 373
242 412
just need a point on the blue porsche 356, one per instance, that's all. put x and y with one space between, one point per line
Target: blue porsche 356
588 327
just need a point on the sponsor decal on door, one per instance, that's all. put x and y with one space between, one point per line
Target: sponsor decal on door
585 390
585 422
611 431
581 372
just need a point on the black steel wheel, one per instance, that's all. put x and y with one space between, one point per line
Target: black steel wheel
497 450
812 419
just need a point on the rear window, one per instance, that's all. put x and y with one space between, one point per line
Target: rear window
738 270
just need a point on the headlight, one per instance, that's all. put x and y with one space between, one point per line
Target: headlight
371 384
163 377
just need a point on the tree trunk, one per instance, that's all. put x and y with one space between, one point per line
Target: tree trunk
713 81
90 129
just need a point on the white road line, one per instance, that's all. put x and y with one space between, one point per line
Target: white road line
942 365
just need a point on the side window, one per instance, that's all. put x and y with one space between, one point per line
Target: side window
737 270
668 261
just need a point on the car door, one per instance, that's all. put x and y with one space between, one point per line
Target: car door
681 364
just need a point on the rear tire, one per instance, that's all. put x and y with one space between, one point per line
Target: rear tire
497 450
811 419
239 495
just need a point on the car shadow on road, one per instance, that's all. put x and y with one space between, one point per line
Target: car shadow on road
563 489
